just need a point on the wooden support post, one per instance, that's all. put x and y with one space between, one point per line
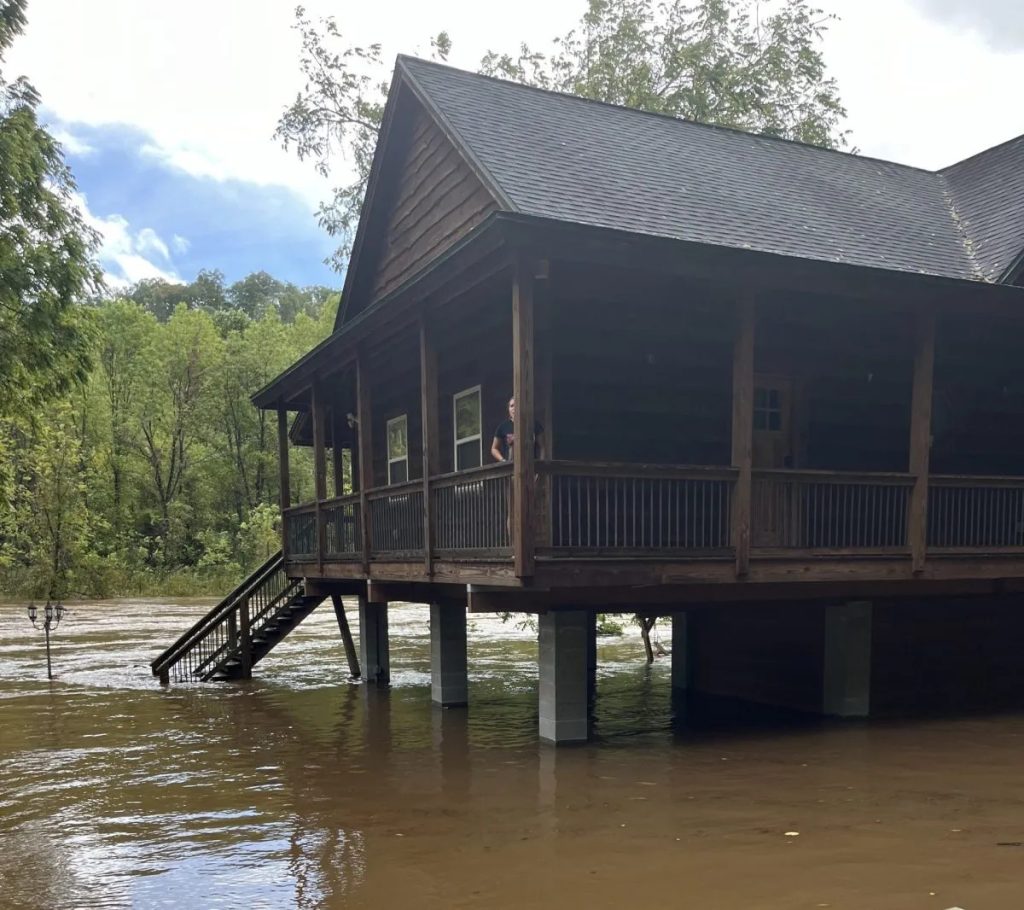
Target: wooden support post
365 432
319 470
523 523
429 421
245 650
920 438
544 384
346 636
337 456
743 432
284 473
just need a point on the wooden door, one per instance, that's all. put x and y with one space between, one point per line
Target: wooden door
774 516
774 445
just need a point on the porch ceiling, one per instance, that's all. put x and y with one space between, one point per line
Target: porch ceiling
491 245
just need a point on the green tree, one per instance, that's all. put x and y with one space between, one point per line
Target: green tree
207 292
46 250
50 521
157 296
180 370
126 334
724 62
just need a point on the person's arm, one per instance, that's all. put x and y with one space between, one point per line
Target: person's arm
496 449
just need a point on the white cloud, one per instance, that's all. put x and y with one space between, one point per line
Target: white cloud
126 255
180 244
72 143
207 81
920 91
1001 22
148 241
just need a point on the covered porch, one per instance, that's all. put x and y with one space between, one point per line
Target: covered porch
792 422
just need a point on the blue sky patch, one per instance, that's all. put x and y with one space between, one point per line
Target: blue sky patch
158 218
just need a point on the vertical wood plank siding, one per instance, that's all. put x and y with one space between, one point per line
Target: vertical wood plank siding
437 199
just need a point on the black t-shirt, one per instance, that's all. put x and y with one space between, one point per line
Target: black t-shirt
506 432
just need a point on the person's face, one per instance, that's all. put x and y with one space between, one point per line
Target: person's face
512 408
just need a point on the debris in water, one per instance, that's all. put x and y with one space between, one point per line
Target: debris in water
792 834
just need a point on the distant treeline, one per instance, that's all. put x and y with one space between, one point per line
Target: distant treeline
157 475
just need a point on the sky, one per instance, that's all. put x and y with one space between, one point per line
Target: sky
167 110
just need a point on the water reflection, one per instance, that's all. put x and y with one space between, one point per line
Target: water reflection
301 789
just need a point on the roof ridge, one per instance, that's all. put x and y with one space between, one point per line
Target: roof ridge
670 117
960 225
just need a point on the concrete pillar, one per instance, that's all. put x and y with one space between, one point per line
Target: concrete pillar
564 714
680 653
847 678
449 684
373 641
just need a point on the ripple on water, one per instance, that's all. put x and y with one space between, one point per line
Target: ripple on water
303 789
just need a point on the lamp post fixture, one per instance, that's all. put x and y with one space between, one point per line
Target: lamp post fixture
52 615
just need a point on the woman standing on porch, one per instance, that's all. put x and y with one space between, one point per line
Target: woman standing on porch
503 444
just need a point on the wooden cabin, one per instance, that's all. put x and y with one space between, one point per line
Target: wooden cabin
756 372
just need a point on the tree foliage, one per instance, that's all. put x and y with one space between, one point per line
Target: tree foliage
46 250
157 469
752 65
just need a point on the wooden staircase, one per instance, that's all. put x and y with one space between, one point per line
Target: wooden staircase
241 630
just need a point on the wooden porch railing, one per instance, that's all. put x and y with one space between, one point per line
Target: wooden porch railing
396 519
471 512
828 510
637 509
343 537
300 531
975 513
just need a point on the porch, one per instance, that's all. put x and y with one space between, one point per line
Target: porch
634 524
722 425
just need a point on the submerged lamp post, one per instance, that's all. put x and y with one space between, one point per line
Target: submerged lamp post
52 615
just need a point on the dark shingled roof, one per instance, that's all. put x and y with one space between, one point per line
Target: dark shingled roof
556 156
988 194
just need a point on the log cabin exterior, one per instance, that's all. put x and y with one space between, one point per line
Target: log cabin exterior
756 363
775 385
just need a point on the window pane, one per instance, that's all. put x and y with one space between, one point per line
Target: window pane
759 398
774 420
773 398
759 420
467 416
399 471
398 438
467 455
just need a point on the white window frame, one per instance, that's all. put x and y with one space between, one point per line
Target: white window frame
479 438
401 418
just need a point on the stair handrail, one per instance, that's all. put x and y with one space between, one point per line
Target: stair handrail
170 656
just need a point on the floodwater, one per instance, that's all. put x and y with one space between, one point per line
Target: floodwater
302 789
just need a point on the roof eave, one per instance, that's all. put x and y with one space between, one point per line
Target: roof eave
1015 270
943 284
485 237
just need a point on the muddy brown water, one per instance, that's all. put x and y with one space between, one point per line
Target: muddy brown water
301 789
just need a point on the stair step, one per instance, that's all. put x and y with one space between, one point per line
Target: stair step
293 607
